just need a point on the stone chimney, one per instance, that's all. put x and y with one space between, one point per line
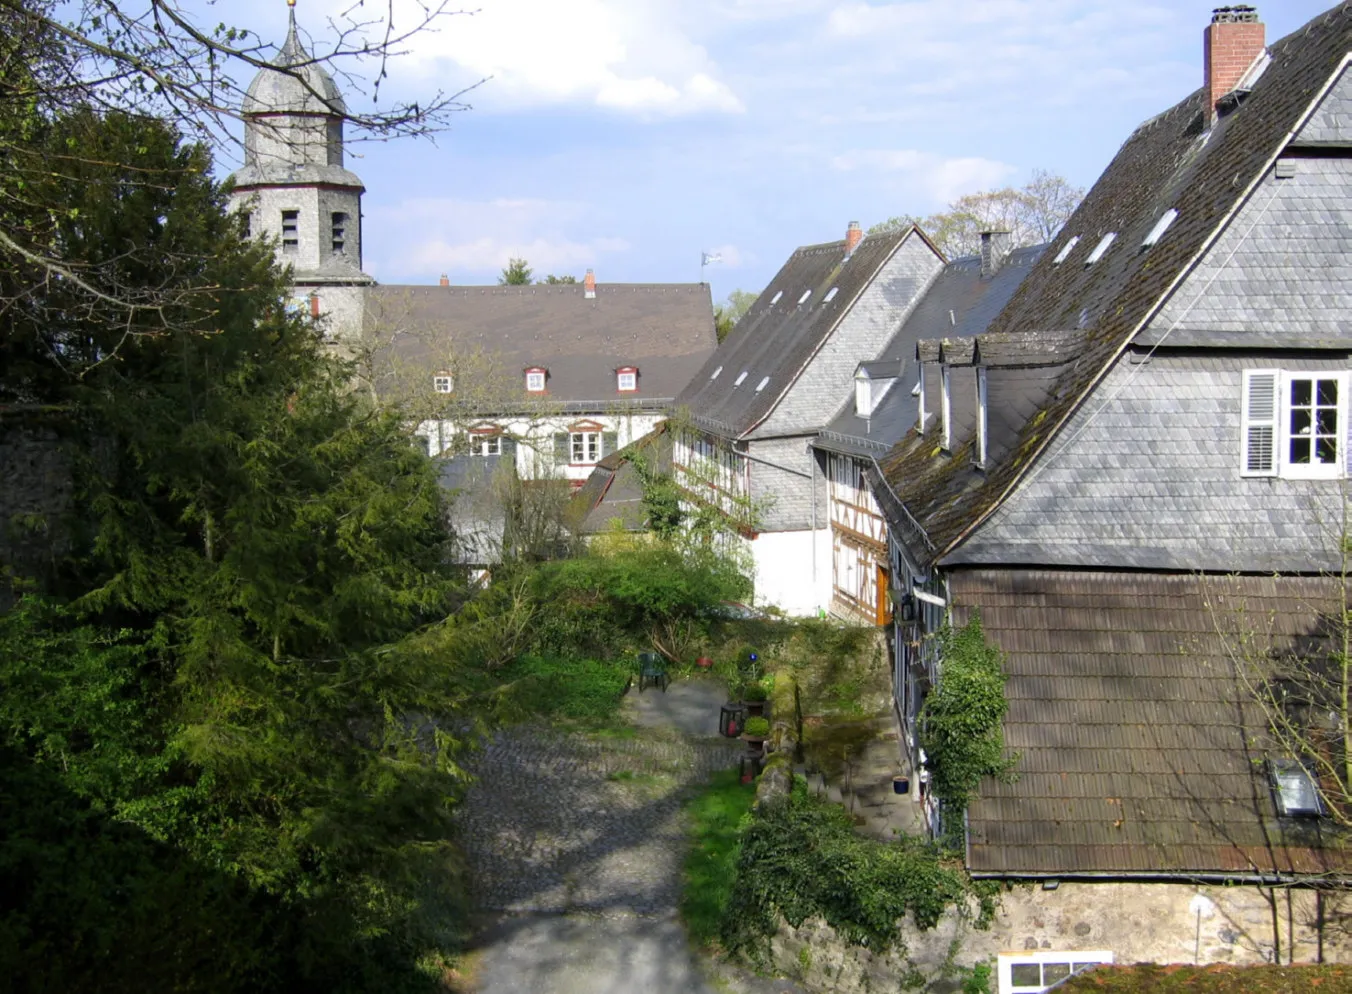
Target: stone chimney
445 280
1232 41
589 285
995 249
853 236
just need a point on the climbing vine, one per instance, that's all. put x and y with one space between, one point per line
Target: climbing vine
961 724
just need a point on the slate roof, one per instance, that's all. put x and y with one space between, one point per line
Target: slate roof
1140 751
666 330
306 89
777 337
1148 478
1167 163
960 304
613 492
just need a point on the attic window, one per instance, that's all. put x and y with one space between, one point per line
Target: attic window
982 419
291 232
863 395
535 380
831 295
946 410
1066 249
1100 248
761 385
775 299
740 377
716 372
1295 790
443 382
806 294
1161 226
626 379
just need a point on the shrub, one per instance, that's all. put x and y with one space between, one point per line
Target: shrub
757 727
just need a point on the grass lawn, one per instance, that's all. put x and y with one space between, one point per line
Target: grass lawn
583 693
716 814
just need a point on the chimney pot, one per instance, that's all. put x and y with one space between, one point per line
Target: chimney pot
589 285
1232 41
995 248
314 304
445 280
853 236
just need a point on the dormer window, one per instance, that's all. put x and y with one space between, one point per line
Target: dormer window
535 379
946 410
443 382
1100 248
626 379
982 419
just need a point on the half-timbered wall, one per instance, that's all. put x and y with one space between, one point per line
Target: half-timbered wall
858 542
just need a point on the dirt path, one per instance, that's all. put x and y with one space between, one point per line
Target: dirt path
575 846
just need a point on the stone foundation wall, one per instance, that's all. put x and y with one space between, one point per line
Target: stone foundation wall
1140 923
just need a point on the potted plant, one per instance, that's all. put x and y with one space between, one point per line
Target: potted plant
754 696
755 732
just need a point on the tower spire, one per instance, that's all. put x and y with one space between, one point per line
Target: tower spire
292 51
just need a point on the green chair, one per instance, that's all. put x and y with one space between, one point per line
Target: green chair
652 671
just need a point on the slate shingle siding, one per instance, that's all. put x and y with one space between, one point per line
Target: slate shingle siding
790 495
1332 122
1147 476
1282 270
815 396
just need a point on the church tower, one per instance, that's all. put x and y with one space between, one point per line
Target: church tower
293 186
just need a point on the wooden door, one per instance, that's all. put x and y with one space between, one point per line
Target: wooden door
883 609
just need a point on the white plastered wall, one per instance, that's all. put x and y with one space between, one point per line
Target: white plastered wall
785 573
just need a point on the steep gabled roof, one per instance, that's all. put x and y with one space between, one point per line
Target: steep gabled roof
777 337
1170 161
665 330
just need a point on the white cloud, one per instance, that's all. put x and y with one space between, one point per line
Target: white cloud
479 237
943 180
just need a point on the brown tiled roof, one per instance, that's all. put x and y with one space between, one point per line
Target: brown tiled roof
1166 163
1140 751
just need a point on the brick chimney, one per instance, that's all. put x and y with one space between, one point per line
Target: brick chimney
445 280
1233 39
995 248
853 236
589 285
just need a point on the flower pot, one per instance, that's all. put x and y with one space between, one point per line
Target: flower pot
704 662
754 743
901 785
754 709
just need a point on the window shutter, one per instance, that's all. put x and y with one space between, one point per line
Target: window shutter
508 449
1258 442
610 442
562 451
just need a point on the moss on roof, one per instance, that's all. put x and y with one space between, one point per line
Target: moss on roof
1149 979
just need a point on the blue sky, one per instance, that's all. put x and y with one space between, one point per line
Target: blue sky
629 135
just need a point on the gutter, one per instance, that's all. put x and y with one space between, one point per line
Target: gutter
1154 309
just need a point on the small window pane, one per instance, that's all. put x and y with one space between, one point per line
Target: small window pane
1301 391
1326 451
1052 972
1327 420
1328 392
1026 975
1300 451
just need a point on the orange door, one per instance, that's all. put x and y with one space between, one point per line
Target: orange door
883 609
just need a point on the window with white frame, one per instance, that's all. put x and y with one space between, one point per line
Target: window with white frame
535 380
482 443
626 379
585 446
443 382
946 410
1294 424
1033 972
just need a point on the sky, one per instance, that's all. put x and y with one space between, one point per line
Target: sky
630 136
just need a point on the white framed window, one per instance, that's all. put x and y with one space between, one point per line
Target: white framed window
585 447
626 380
863 395
443 382
535 380
1294 424
982 418
1033 972
485 444
946 410
922 414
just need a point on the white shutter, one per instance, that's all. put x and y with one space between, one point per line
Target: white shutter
1260 410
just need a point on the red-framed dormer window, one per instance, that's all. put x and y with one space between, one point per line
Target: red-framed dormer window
535 379
626 379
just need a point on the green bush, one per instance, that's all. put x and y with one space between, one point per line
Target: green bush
587 692
801 858
757 727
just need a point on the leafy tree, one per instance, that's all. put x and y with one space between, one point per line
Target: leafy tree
728 313
552 280
226 664
1032 214
515 273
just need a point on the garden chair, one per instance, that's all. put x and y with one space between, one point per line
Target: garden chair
652 671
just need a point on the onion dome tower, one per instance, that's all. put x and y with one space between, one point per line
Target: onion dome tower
294 188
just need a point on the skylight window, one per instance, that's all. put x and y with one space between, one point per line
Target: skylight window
1297 796
716 372
775 299
831 295
761 385
740 377
1100 248
1066 249
806 294
1161 226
